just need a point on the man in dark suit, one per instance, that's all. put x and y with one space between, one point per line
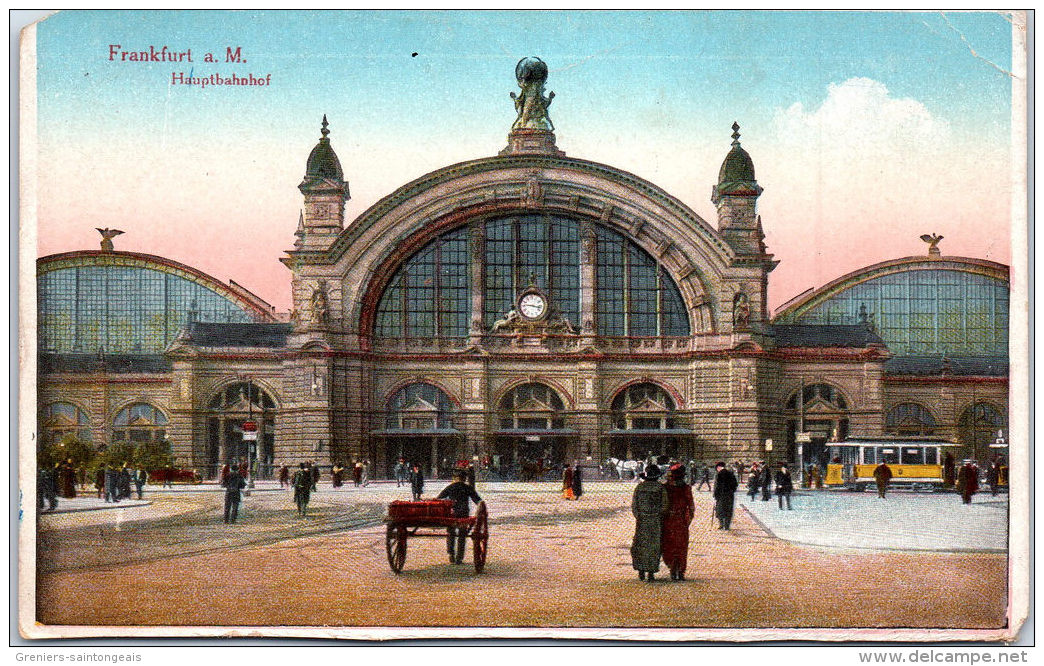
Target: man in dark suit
725 485
460 492
233 495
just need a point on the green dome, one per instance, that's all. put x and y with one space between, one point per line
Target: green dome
737 167
323 162
736 176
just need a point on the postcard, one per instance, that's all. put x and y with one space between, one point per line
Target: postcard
646 325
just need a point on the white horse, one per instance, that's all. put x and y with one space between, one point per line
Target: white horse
634 467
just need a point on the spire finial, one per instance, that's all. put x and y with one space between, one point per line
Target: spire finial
325 131
735 134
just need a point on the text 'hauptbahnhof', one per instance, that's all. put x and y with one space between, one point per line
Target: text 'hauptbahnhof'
526 306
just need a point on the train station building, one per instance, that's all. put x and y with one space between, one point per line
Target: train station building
522 306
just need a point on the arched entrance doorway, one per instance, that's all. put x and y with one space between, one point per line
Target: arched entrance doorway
645 425
531 441
228 441
978 428
816 415
418 429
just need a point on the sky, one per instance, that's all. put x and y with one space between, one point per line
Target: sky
866 129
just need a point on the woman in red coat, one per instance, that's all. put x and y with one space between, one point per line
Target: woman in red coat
675 534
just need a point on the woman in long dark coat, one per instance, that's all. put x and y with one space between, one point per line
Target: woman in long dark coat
649 505
968 481
578 482
675 538
67 479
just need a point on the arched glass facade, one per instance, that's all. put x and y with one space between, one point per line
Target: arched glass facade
122 309
635 295
925 312
430 294
539 247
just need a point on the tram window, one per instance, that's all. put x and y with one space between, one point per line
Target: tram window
931 456
868 456
913 456
888 456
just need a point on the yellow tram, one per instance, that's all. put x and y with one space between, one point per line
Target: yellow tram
915 461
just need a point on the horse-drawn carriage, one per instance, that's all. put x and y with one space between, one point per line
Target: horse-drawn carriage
406 519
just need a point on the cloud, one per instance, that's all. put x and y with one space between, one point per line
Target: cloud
857 179
860 120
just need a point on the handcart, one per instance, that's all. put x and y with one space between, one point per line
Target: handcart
406 520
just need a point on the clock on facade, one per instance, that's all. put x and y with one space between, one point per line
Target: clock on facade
532 306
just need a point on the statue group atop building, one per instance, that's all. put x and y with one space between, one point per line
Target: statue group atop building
531 104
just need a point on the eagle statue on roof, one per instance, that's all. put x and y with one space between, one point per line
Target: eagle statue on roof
933 243
107 236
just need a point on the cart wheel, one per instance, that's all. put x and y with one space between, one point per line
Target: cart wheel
480 536
395 542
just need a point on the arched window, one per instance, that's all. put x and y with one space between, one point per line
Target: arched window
540 248
531 407
419 407
909 418
643 407
636 297
429 296
63 418
824 394
139 422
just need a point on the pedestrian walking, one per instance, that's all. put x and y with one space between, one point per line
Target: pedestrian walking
816 477
112 481
968 481
67 479
124 488
725 485
316 473
302 488
337 475
567 482
766 483
649 505
168 476
784 485
365 480
460 493
882 475
99 481
140 477
705 478
578 481
754 482
416 481
680 511
401 473
284 476
993 476
233 495
46 491
357 473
